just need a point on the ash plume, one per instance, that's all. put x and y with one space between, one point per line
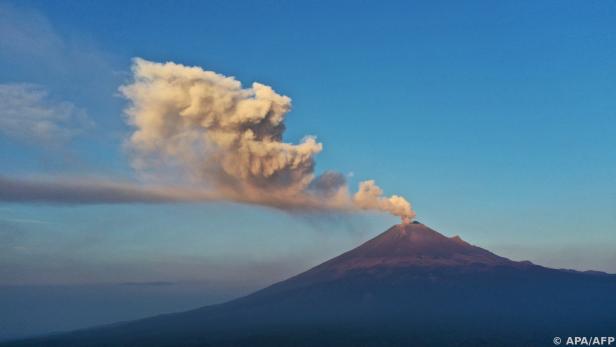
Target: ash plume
228 140
200 136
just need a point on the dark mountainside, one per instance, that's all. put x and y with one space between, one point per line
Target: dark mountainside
408 286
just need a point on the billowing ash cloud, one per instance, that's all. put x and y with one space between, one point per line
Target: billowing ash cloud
218 133
227 140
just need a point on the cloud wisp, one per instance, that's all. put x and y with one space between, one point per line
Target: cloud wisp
28 114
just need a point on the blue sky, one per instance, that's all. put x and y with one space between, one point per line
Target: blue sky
495 119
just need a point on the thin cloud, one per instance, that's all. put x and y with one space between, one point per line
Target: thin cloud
27 113
148 284
24 220
33 47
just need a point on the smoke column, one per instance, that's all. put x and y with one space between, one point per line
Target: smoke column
227 140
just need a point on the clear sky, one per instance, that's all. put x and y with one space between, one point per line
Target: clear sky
496 119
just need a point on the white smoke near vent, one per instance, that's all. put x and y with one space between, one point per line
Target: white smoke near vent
227 140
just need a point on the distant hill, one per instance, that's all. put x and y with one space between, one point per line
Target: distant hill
409 286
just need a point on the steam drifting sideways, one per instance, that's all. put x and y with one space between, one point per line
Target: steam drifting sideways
223 142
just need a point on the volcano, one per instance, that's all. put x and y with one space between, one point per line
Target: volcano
409 286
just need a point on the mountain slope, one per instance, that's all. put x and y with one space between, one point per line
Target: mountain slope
407 286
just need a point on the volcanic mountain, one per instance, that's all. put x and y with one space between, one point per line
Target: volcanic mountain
409 286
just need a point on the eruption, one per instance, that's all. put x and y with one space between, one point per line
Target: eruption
229 140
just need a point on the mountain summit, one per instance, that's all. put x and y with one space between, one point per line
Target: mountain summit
408 286
415 244
405 246
402 249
